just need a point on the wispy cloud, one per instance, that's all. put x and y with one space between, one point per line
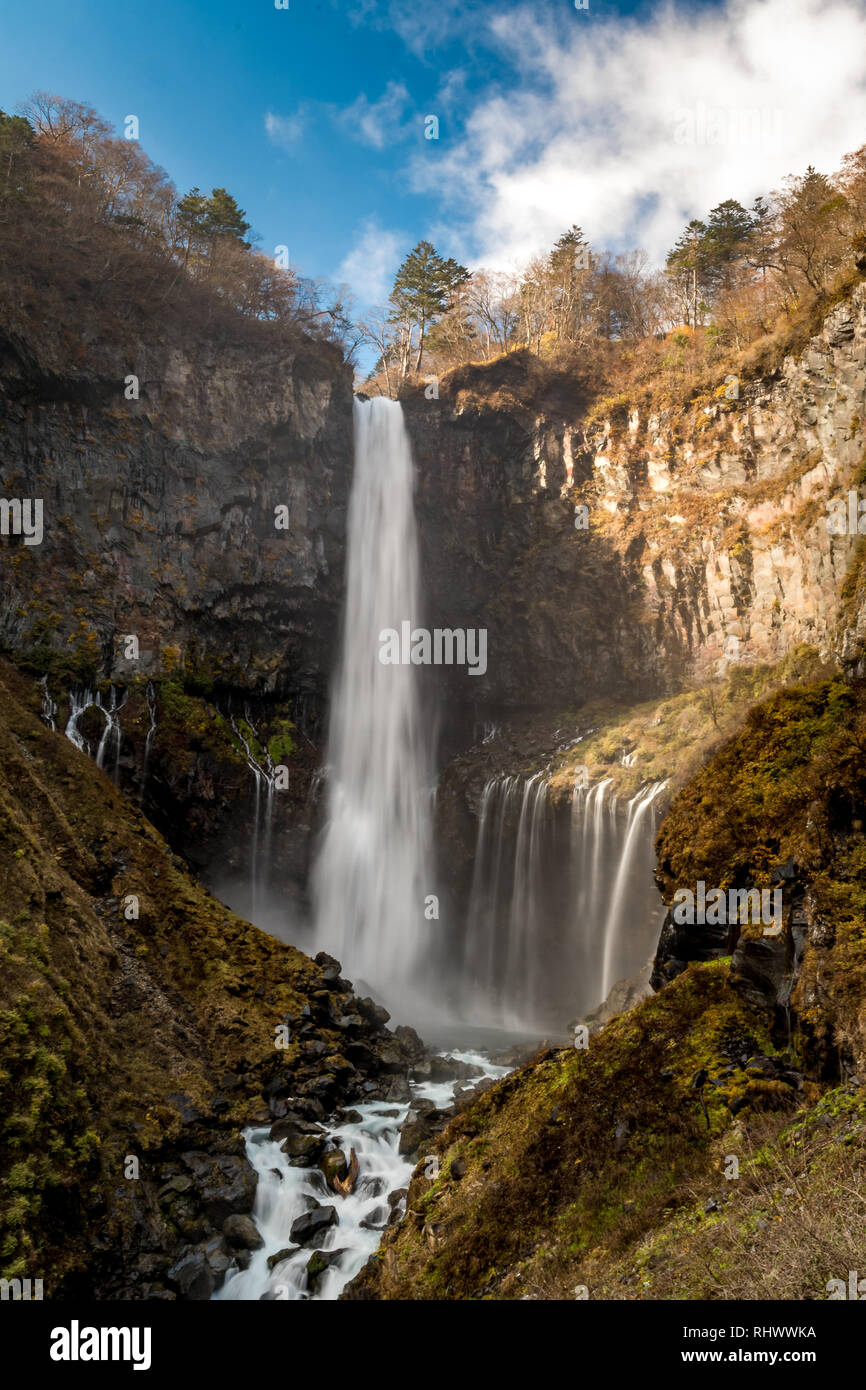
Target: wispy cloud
378 123
381 123
422 26
629 127
370 266
287 131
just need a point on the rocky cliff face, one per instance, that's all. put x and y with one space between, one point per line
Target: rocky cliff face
161 561
706 537
159 512
498 472
726 510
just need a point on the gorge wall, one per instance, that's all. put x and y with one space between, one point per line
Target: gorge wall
160 511
707 536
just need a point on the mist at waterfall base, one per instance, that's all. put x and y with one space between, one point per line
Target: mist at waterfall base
561 903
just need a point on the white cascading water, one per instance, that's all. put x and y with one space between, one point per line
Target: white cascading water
504 970
285 1192
615 927
371 875
264 775
111 740
49 706
534 952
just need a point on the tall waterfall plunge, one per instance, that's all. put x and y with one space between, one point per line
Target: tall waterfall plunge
372 871
560 907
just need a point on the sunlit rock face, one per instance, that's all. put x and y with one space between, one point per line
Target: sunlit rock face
707 539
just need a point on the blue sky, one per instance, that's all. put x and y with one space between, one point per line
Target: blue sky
313 117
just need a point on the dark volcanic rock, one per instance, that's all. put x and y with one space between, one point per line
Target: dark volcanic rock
311 1225
319 1261
224 1184
193 1277
241 1233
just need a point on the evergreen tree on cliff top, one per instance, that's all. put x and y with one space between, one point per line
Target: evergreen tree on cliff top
424 288
203 220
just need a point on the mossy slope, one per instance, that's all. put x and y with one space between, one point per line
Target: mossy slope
105 1016
608 1170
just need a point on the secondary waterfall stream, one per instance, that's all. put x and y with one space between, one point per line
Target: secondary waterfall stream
558 911
373 867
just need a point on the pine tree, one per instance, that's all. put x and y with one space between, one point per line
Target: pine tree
424 289
223 217
728 229
191 218
686 261
568 260
205 220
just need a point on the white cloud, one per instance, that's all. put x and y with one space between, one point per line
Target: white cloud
630 127
287 130
421 25
378 123
370 266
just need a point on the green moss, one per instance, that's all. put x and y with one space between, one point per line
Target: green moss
77 1072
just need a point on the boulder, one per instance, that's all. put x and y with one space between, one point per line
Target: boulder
390 1057
241 1233
395 1202
375 1014
399 1089
225 1184
328 962
312 1224
419 1128
277 1259
377 1220
291 1125
303 1150
409 1040
319 1261
333 1164
192 1275
450 1069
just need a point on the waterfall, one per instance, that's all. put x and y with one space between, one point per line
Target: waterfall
264 775
111 737
502 953
150 700
524 947
284 1192
559 908
49 706
482 955
371 875
613 927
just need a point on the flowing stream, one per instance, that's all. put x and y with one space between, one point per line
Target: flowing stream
285 1193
